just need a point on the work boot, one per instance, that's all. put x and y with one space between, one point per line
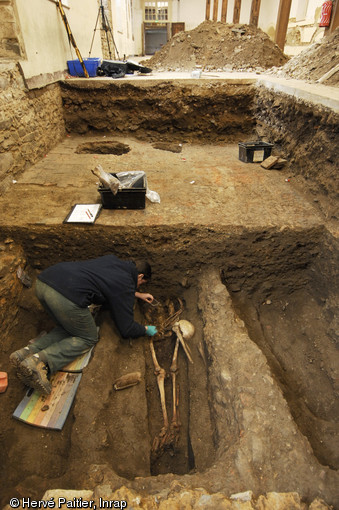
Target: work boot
34 372
18 356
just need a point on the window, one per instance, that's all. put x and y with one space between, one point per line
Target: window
163 11
150 11
156 11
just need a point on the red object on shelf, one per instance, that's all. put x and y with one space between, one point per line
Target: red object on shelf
3 382
325 15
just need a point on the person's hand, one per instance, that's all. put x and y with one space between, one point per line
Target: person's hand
144 296
151 330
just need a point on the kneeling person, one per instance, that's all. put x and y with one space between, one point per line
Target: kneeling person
66 290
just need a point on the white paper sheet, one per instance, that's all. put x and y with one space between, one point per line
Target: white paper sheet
84 213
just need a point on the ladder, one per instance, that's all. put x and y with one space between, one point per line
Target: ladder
71 38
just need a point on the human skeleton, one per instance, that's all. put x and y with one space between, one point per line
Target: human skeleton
184 330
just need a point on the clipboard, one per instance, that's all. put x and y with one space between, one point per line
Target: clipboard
83 213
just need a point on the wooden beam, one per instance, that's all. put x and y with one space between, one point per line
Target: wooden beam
282 23
255 10
236 11
215 10
224 11
208 9
329 73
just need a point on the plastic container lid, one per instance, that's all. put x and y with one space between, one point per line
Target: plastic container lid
3 382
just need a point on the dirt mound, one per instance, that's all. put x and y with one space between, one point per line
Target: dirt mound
219 46
315 61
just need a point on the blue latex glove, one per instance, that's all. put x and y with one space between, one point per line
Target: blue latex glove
151 330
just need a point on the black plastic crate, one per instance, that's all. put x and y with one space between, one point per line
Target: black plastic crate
126 198
254 152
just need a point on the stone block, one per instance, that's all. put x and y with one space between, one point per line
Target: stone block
7 144
5 124
6 162
242 496
319 504
269 162
5 183
4 83
30 137
280 163
279 501
273 162
9 48
8 30
6 14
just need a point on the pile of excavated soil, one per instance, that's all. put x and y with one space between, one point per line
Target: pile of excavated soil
317 60
219 46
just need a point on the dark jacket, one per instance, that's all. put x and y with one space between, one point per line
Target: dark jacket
105 280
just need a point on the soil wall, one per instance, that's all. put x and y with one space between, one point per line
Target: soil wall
31 123
11 259
248 258
250 261
181 109
306 134
297 329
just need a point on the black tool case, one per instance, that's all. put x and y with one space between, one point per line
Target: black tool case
254 152
126 198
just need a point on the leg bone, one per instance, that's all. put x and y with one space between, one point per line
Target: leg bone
160 373
187 350
174 369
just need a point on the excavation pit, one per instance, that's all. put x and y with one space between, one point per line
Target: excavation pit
253 261
103 147
252 405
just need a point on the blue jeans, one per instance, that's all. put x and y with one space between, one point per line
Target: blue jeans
75 333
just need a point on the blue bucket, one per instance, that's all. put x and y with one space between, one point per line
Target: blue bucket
75 67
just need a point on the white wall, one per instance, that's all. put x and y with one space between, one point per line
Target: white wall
304 19
191 13
137 20
311 9
245 11
45 38
268 17
122 20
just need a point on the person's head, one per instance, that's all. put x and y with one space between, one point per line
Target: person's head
144 271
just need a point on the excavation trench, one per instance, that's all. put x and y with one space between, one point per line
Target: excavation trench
132 420
254 266
257 408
